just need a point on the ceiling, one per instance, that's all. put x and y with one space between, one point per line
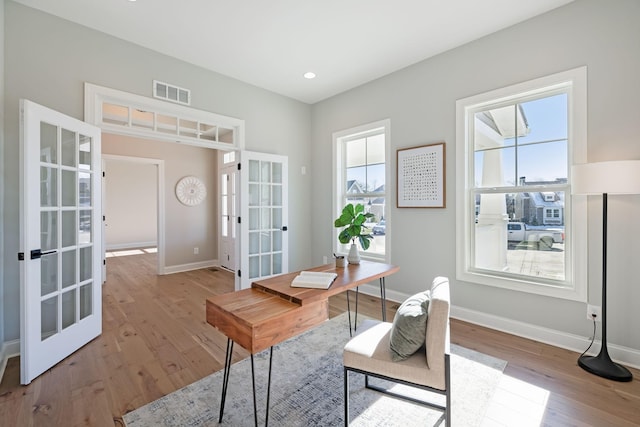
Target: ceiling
272 43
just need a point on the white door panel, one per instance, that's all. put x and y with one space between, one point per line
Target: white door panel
60 237
264 243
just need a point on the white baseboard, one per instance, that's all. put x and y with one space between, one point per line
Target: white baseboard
624 355
135 245
170 269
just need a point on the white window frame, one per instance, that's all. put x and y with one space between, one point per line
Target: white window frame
339 179
574 287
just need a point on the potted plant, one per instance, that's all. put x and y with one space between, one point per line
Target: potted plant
353 220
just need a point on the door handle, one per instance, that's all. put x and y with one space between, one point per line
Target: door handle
37 253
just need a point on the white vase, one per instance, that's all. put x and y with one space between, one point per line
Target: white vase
354 255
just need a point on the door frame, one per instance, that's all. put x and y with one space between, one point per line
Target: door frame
160 204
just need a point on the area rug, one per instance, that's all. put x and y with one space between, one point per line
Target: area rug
307 390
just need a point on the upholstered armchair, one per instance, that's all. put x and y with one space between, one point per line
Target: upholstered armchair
370 352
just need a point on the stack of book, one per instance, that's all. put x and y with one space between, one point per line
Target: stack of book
313 279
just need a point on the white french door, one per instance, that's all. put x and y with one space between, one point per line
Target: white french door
264 209
60 237
228 215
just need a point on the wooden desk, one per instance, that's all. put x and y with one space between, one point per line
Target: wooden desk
272 311
258 320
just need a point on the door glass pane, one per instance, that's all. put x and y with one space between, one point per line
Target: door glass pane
84 227
68 148
68 228
277 240
265 196
86 300
254 219
277 263
254 194
265 241
48 317
277 173
265 222
85 263
69 188
277 218
68 308
84 157
254 242
48 274
68 268
48 187
265 172
254 171
48 143
254 266
48 230
265 265
276 194
84 189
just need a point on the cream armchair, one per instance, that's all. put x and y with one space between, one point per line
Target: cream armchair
369 353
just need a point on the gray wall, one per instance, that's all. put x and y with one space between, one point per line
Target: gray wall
132 187
420 102
47 61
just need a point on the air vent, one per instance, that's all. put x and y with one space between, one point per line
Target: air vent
171 93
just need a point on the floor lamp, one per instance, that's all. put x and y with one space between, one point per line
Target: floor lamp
615 177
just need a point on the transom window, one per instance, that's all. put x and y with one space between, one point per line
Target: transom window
517 218
360 156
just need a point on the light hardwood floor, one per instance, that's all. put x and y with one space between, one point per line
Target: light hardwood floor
155 340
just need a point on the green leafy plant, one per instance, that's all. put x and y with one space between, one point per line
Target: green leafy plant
353 219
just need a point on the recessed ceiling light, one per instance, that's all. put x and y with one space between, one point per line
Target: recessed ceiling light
309 75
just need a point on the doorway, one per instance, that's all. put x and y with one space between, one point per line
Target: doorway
133 185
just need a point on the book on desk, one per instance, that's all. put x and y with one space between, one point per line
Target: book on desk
313 279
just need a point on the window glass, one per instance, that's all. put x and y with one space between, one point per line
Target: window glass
362 170
518 217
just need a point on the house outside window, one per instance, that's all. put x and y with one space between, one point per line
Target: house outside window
520 227
361 157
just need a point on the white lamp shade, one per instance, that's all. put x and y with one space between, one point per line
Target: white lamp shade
615 177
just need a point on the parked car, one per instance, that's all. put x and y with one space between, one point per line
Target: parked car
543 237
380 228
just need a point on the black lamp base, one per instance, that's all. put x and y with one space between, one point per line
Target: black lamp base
603 366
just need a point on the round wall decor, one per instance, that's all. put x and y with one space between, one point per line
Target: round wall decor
190 191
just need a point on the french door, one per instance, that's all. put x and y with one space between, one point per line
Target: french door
264 209
60 237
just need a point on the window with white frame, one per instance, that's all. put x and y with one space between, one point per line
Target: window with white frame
361 157
519 226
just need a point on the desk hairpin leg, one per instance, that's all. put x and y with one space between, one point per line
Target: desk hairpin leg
225 383
253 382
349 313
225 376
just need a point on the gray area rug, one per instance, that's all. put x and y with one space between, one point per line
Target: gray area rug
307 390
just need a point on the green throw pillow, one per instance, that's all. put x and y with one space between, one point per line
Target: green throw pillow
409 326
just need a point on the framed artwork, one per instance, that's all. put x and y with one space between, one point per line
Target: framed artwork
421 176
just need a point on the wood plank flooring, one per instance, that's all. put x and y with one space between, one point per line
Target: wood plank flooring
155 340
